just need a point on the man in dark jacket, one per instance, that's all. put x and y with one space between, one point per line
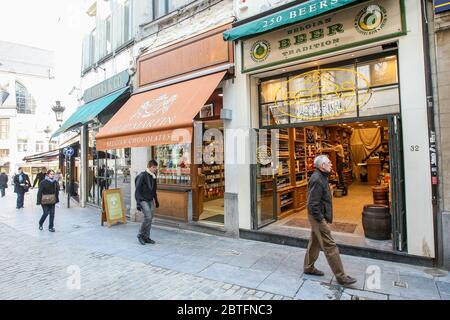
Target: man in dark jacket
3 183
39 177
320 214
147 199
21 185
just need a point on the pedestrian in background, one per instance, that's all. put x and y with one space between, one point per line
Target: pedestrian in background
48 197
22 184
320 214
3 182
58 178
147 200
39 177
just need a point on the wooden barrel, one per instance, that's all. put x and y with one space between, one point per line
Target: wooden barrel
380 195
376 220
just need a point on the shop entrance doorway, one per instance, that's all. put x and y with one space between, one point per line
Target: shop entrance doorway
212 175
366 182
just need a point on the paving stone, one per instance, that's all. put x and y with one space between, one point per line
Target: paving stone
365 294
278 283
313 290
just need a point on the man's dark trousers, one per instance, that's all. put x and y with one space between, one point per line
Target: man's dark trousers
20 199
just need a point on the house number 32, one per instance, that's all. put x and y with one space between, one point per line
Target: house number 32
414 148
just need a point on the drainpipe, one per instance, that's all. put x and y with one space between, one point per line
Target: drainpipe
437 221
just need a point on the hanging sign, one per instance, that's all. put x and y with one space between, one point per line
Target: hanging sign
360 24
106 87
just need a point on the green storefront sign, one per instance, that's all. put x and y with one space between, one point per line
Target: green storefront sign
361 24
106 87
294 14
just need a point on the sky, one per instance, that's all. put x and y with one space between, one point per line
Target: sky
53 25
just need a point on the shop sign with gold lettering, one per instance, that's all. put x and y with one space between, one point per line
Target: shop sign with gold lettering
106 87
322 94
360 24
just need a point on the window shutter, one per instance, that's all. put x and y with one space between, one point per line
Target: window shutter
86 54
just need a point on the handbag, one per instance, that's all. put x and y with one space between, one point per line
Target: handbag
48 199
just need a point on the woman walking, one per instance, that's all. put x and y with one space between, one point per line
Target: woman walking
47 197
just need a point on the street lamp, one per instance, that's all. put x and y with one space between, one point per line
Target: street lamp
58 109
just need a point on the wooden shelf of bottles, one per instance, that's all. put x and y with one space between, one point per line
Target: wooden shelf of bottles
214 181
297 149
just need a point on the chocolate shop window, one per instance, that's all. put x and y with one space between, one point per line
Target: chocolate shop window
174 164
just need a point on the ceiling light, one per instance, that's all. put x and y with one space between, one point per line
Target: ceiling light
220 94
360 124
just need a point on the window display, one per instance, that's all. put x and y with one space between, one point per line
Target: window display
363 88
174 164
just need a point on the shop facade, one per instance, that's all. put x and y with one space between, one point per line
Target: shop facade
174 115
89 172
324 72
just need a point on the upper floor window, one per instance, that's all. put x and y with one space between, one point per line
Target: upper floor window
25 102
52 146
39 146
4 153
4 129
108 35
22 145
163 7
126 21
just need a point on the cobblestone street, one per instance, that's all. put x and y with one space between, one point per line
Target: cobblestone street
111 264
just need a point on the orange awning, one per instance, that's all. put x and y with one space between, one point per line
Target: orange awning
160 116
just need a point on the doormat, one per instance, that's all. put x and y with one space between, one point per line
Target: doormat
217 218
335 226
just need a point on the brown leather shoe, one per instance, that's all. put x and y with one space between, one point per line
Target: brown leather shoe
347 280
315 272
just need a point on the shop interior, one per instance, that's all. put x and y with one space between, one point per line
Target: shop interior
177 171
364 184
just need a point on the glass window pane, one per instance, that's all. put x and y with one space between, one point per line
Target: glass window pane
279 112
24 100
160 8
273 90
382 101
108 35
126 21
175 4
338 79
378 72
174 163
343 105
305 110
304 85
266 116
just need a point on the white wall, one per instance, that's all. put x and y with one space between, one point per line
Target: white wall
252 7
415 132
238 155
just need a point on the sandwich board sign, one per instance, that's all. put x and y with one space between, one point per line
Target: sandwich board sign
113 208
